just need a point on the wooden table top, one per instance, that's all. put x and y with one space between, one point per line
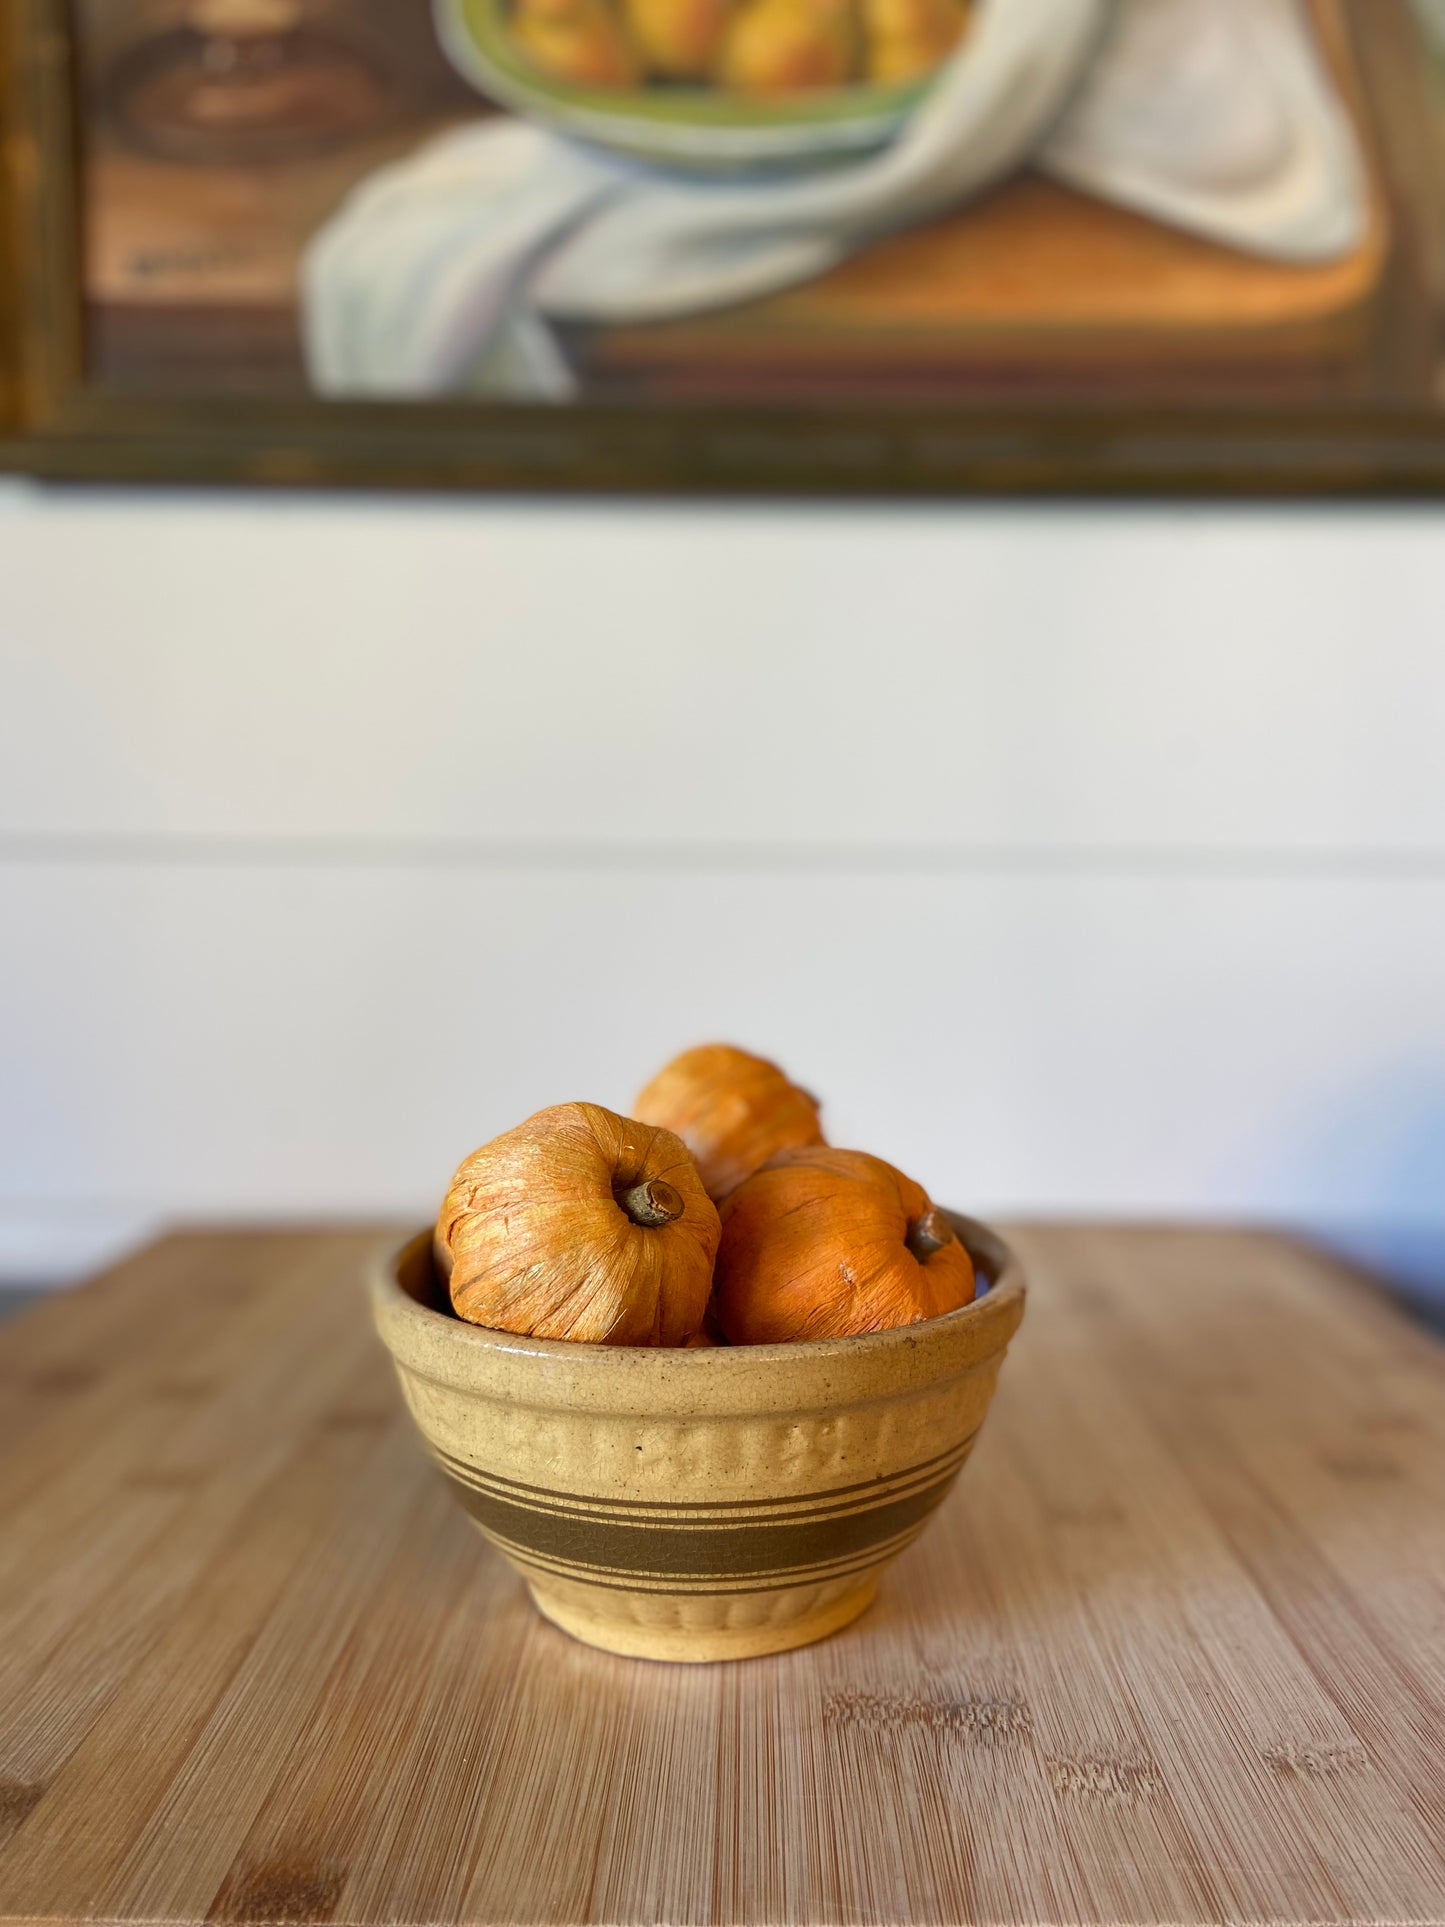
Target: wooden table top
1173 1651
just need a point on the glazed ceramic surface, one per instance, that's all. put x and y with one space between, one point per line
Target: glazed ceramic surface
699 1504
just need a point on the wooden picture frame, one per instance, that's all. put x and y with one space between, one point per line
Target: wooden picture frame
57 419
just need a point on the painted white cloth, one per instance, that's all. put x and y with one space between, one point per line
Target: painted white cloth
442 273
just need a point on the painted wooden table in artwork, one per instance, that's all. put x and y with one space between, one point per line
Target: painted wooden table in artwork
1174 1650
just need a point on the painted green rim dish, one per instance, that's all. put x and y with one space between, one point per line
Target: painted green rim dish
686 126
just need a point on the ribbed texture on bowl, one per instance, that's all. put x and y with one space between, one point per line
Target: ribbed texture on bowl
708 1504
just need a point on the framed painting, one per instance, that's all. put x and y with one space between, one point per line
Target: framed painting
842 245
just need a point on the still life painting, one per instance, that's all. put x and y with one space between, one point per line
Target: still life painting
945 212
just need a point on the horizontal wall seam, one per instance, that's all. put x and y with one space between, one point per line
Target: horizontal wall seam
1143 862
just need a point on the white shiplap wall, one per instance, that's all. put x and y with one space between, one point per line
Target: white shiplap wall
1086 860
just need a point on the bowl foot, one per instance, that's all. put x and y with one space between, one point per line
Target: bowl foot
698 1628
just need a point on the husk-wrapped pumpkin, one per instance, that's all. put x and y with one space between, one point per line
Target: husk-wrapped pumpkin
733 1111
580 1224
823 1243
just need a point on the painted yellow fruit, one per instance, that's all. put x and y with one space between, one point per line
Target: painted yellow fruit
906 38
790 46
579 41
678 39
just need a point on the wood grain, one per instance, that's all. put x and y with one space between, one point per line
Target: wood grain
1174 1651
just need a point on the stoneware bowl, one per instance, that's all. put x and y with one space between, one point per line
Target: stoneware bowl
699 1504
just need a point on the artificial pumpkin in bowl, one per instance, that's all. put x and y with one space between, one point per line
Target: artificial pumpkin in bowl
583 1225
733 1111
823 1243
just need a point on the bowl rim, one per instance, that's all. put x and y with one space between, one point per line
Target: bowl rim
995 1312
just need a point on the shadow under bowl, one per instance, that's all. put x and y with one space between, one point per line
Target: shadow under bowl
699 1504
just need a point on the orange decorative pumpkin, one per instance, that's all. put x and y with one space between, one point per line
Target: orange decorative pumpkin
827 1244
584 1225
732 1110
710 1334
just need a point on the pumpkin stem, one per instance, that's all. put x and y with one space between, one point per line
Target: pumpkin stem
928 1234
652 1203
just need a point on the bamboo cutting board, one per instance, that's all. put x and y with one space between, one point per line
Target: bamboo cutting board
1173 1652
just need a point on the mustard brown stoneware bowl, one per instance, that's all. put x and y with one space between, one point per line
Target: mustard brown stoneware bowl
699 1504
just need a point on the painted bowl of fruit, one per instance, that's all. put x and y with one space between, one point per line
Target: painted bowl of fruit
708 85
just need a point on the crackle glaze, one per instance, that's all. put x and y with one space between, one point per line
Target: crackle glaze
699 1504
